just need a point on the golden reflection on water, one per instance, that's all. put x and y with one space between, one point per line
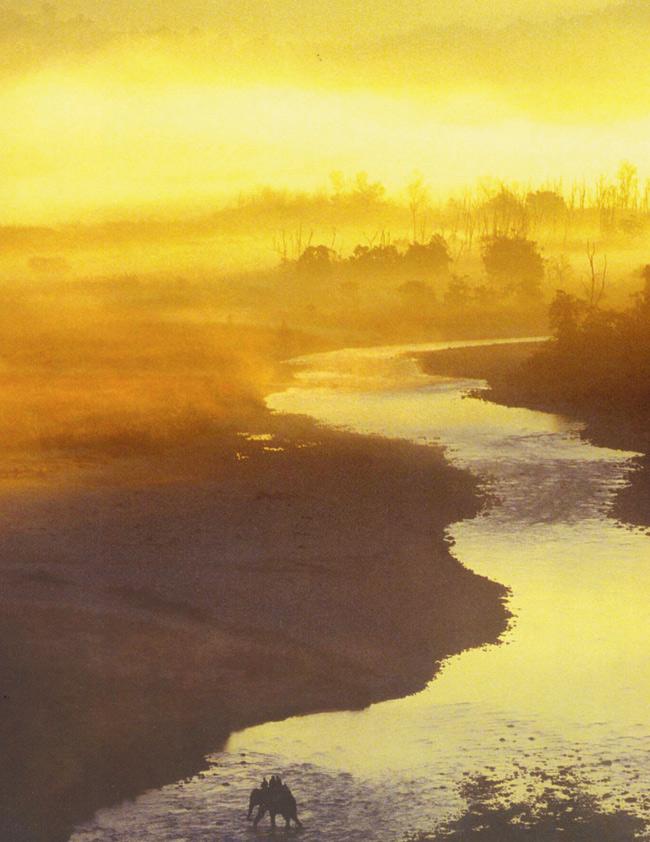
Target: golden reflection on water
575 661
574 664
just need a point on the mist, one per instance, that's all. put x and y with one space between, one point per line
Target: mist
235 487
163 110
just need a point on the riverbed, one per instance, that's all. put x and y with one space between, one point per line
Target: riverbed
560 703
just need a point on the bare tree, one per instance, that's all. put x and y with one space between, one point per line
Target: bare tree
628 185
418 196
597 277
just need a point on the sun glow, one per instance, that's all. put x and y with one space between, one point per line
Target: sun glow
173 115
72 145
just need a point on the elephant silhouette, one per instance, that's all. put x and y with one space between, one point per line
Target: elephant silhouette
274 801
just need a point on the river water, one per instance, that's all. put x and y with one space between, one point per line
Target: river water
559 707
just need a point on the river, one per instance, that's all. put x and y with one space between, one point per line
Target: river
561 705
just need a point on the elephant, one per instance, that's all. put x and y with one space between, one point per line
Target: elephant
273 801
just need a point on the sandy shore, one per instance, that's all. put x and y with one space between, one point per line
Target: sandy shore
498 363
296 571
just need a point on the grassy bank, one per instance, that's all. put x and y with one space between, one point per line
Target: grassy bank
179 563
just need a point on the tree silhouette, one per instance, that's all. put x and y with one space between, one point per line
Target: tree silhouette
546 207
430 258
515 263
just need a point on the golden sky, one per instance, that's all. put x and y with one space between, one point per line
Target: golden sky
115 103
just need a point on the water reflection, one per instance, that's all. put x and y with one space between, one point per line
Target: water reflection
569 687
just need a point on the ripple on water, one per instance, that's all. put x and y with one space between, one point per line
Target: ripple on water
532 766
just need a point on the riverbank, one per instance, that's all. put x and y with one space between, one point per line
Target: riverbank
242 574
500 366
